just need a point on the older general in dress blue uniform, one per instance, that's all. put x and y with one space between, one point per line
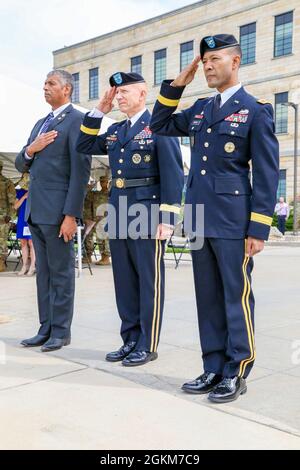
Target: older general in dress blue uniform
146 170
226 133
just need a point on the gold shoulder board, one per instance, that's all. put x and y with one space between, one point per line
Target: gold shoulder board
263 102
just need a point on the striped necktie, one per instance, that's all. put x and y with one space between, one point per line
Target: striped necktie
46 123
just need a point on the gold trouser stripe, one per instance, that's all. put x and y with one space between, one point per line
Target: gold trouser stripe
155 297
167 101
253 355
247 314
260 218
89 131
159 291
169 208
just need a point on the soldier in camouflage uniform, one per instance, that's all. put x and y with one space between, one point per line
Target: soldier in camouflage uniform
7 201
92 201
88 218
102 238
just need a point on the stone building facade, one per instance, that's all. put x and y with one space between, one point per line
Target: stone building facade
269 32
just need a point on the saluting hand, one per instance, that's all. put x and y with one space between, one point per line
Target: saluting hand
106 103
41 142
188 74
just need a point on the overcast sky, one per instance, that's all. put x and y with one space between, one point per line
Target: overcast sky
30 30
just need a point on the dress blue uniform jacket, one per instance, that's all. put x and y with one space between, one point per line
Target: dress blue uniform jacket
222 145
138 154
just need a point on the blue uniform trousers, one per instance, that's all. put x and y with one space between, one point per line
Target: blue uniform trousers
225 304
139 277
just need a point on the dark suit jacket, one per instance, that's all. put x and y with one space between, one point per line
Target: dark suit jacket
58 174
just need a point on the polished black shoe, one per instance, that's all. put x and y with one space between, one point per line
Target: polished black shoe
228 390
138 358
37 340
119 355
203 384
55 343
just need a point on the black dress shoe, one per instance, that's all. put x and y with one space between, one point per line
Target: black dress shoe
228 390
37 340
138 358
119 355
55 343
203 384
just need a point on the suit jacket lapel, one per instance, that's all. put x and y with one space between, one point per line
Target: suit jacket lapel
37 128
208 111
142 122
60 118
121 132
234 104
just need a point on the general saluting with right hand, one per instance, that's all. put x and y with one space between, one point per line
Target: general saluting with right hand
226 132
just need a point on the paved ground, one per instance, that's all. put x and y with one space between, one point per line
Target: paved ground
74 399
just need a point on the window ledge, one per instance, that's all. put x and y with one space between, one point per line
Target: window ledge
283 56
250 63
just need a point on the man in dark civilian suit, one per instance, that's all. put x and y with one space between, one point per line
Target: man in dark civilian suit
58 179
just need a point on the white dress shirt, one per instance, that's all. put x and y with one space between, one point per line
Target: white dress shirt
59 110
99 114
228 93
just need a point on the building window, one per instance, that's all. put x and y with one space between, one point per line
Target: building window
281 113
136 64
248 43
75 94
160 66
281 191
283 34
94 83
186 54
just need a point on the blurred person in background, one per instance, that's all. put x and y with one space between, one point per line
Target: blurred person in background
102 236
7 200
23 232
282 211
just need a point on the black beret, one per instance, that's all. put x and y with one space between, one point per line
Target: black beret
219 41
122 78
